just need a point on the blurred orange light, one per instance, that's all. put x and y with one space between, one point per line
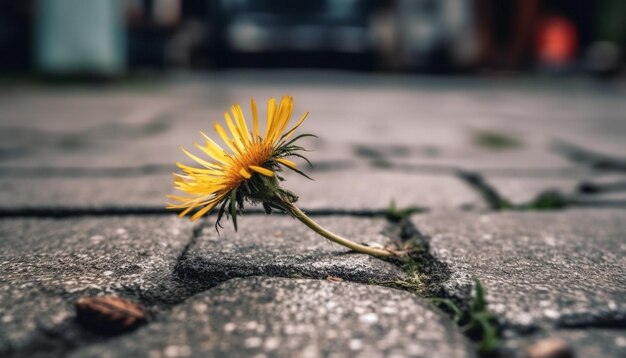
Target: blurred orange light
557 41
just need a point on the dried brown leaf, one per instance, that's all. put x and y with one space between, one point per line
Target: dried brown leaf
109 313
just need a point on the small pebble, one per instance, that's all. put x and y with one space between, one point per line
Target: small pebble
549 348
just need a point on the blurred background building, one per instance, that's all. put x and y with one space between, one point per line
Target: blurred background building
111 37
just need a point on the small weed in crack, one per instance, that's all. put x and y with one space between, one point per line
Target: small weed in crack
414 281
396 215
550 199
424 276
496 141
475 321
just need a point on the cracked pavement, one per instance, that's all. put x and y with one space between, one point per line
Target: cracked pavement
83 172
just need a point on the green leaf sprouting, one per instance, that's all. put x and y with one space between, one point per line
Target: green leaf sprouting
476 321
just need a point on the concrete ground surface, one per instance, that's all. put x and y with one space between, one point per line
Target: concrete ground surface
518 183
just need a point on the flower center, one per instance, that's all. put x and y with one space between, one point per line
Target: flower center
256 153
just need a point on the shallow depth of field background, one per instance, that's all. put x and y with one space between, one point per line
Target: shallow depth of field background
402 93
118 37
487 136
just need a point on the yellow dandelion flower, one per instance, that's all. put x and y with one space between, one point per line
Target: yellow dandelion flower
250 155
249 170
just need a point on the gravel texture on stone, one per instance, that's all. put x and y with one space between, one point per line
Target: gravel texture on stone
381 138
46 264
540 269
587 342
275 317
282 246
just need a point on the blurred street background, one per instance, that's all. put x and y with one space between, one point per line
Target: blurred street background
489 134
510 89
104 38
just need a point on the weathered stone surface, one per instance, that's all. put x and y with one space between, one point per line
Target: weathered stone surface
282 246
532 158
376 188
588 342
86 128
607 188
86 192
525 190
540 269
46 264
537 192
361 189
275 317
90 127
520 191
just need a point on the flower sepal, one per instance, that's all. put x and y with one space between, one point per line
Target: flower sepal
258 190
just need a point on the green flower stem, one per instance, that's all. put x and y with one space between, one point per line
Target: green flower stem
336 238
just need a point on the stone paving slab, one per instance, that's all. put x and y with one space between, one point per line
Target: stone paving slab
338 190
282 246
376 188
588 342
524 190
122 126
532 158
86 192
85 127
540 269
46 264
610 188
546 273
444 113
155 141
273 317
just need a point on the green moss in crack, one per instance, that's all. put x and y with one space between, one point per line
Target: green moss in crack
156 126
548 200
72 142
489 193
396 215
496 141
476 322
414 280
367 152
377 158
381 163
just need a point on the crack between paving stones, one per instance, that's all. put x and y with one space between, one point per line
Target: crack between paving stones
130 171
486 192
318 167
590 158
52 338
197 232
549 199
440 273
607 320
503 172
67 212
434 273
81 172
